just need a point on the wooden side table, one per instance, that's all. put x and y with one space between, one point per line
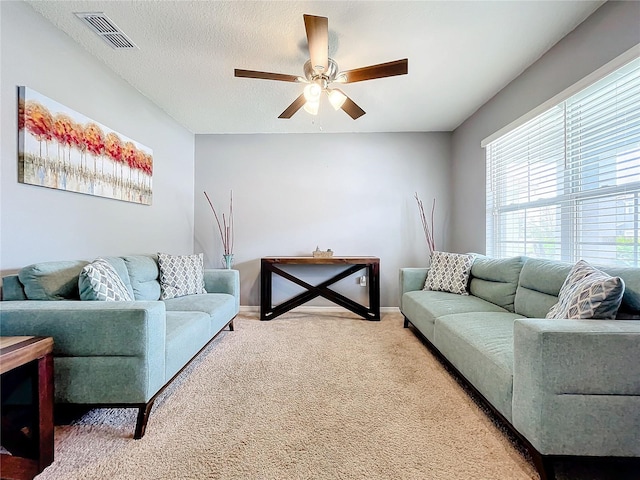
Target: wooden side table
37 353
270 265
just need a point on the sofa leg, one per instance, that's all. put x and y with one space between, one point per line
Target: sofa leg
544 465
231 326
143 418
406 322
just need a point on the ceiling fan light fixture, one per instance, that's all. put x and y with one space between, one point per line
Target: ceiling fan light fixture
320 71
312 107
336 98
312 92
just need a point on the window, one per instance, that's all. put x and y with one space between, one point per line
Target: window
566 184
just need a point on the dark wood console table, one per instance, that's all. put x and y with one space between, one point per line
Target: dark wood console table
35 355
270 265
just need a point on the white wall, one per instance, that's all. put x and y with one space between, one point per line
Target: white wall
41 224
352 193
611 30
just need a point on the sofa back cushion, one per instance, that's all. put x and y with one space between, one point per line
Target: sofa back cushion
143 276
630 306
539 285
541 280
121 269
52 280
496 279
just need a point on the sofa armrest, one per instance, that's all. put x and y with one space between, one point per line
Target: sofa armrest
576 385
223 281
412 279
88 329
12 288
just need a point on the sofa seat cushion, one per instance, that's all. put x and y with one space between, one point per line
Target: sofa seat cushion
480 346
220 307
187 333
424 306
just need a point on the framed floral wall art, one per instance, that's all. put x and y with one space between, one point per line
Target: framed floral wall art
62 149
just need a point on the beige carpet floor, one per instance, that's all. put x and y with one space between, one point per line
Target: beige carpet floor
304 396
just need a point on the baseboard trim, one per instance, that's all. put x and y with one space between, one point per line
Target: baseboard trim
253 309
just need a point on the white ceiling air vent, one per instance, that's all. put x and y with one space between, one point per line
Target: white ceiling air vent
106 29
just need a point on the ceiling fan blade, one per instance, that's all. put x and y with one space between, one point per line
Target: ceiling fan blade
265 75
389 69
294 107
352 109
318 39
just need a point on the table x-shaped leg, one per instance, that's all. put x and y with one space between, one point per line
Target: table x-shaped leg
268 311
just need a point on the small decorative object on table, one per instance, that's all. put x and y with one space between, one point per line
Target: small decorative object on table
322 254
226 231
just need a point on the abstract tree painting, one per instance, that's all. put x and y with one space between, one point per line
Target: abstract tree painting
60 148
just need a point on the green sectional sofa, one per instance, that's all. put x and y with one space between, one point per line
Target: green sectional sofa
567 388
117 353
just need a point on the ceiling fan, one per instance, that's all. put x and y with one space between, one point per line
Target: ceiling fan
321 71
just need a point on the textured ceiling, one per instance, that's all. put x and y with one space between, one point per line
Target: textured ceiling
460 55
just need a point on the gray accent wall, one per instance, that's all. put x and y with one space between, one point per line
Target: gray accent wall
352 193
612 29
41 224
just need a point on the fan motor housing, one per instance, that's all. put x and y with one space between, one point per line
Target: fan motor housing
329 76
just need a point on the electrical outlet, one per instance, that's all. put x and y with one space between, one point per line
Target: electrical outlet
363 281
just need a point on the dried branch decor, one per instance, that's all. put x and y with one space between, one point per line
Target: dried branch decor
427 225
225 229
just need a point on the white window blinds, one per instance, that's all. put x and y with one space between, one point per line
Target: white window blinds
566 184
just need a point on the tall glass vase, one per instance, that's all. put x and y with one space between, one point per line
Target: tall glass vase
228 260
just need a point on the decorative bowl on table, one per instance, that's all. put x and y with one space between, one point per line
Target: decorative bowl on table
317 253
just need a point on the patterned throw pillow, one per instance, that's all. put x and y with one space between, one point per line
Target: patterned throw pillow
180 275
588 293
449 272
100 281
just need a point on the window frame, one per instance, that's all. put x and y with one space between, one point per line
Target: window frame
573 196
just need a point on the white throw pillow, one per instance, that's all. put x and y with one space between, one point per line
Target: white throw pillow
449 272
180 275
588 293
100 281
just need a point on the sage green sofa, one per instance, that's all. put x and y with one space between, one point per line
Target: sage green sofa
117 353
568 388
